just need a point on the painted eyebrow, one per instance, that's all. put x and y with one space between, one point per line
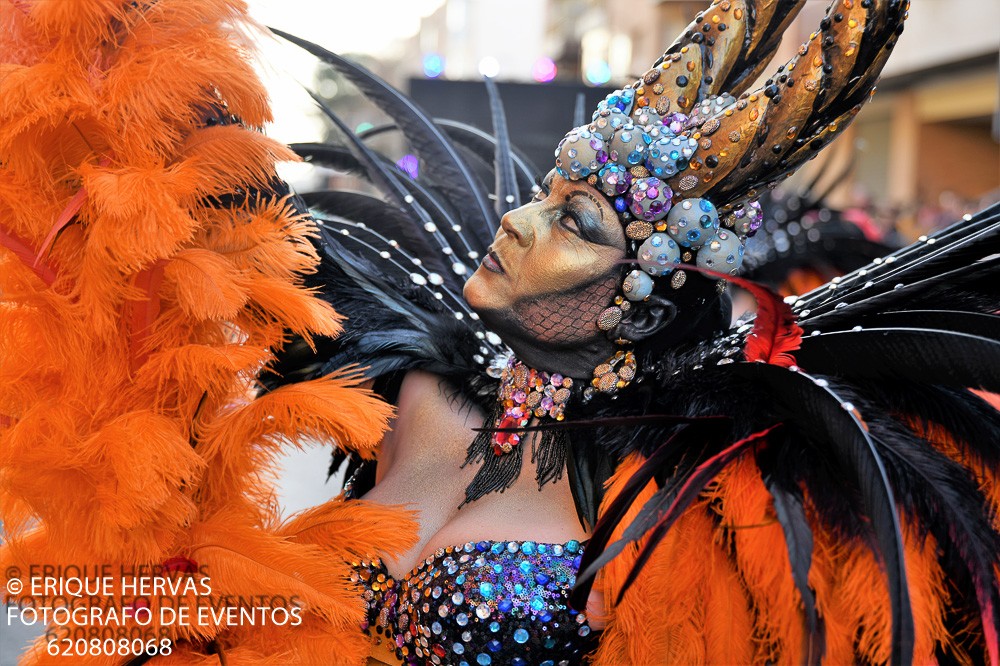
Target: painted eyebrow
582 193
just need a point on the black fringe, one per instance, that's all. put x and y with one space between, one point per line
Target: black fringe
498 472
548 453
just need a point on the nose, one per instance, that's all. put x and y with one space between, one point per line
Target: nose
517 225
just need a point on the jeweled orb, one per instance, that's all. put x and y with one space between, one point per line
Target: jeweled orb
723 253
649 199
647 117
659 254
693 222
628 146
607 121
637 285
614 180
620 99
580 153
669 154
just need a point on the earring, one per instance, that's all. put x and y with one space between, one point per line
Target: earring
614 374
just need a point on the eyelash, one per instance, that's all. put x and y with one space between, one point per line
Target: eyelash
577 229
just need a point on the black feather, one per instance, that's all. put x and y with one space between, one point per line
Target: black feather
799 541
507 196
953 359
448 173
971 323
383 218
815 408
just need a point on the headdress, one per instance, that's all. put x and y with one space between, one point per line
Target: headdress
683 153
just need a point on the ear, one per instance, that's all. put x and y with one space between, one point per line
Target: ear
645 319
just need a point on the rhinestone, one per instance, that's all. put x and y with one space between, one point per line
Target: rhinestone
482 611
610 318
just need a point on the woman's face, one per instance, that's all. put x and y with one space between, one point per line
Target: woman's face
552 268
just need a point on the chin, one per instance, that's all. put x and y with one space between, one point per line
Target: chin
479 293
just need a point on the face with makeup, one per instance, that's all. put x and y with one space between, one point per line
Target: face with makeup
554 265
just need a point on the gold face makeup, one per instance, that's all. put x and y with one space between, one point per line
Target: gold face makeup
553 265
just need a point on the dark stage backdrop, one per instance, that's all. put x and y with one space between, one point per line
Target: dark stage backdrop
538 114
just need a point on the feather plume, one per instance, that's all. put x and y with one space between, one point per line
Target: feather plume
450 173
507 197
116 386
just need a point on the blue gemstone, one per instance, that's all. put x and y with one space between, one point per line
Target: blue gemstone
505 605
528 548
487 590
498 568
513 547
462 619
525 567
494 645
548 662
693 235
484 659
517 661
576 562
459 579
545 616
498 548
482 546
494 627
572 546
537 603
706 205
521 635
542 548
541 578
458 648
518 588
620 204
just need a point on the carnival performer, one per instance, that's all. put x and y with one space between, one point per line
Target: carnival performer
717 448
586 462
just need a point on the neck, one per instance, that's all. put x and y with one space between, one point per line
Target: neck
578 362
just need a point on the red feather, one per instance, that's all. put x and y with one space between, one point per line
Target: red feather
776 333
27 256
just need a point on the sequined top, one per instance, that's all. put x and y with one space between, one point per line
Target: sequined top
491 602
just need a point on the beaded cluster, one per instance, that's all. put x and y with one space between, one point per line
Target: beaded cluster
628 152
526 393
482 603
615 373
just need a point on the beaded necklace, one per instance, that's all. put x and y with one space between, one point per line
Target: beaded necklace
525 393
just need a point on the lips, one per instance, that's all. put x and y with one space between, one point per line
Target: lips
491 262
